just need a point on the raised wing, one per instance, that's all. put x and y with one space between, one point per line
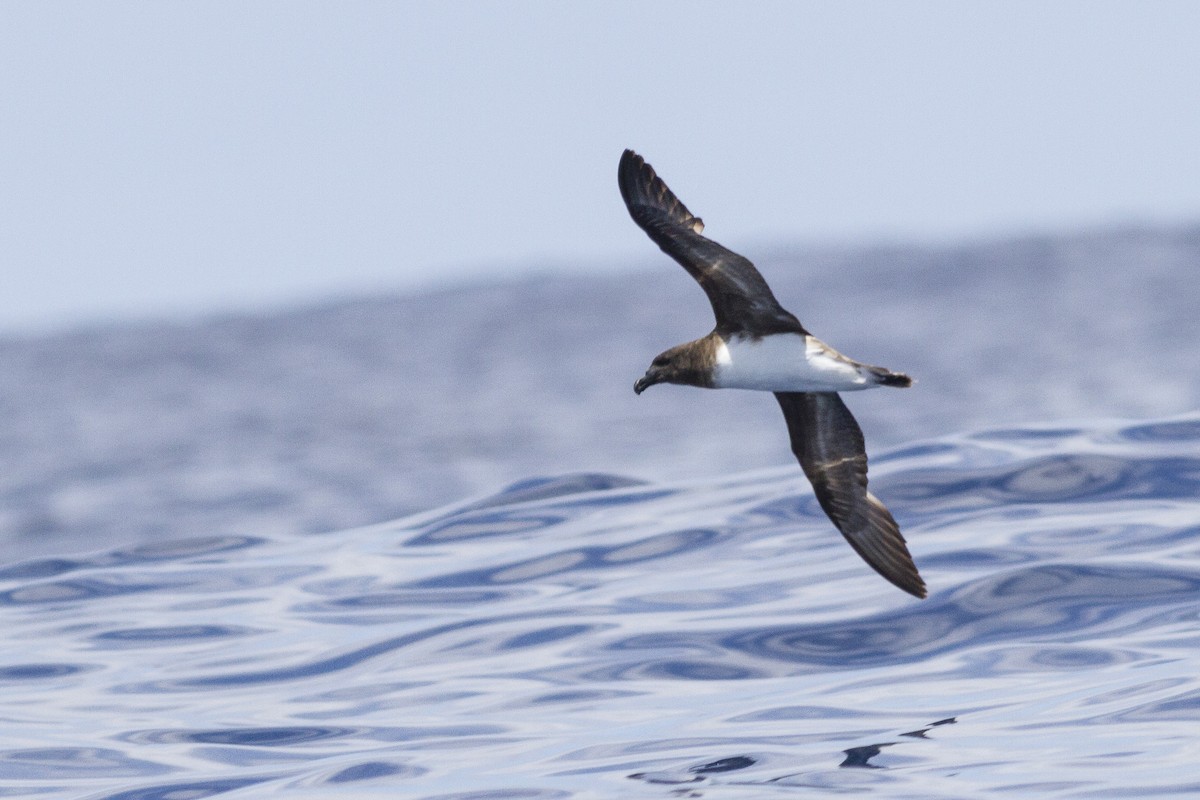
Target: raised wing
741 299
829 444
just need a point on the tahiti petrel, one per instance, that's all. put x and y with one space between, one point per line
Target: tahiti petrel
757 344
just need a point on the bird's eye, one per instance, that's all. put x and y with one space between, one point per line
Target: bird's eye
661 361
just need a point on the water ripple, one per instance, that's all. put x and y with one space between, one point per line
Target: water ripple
589 635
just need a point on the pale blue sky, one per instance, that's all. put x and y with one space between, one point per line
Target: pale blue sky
166 158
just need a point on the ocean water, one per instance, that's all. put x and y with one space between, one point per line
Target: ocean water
324 418
597 636
310 554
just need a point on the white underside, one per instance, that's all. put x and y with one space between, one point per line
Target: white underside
786 362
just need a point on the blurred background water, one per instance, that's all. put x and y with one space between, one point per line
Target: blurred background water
345 414
638 596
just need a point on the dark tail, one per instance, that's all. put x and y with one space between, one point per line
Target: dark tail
886 377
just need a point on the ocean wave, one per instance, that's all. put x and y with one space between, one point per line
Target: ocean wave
594 635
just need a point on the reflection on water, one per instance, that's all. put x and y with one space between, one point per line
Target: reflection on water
596 636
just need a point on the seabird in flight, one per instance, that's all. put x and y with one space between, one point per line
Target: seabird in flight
759 345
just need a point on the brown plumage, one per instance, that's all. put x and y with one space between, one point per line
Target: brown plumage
825 437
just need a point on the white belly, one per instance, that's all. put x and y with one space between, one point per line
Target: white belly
786 362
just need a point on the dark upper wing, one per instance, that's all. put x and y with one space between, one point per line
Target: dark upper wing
740 297
829 443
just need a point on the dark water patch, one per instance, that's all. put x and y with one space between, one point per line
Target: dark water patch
860 757
1164 431
246 737
172 634
560 486
729 764
183 549
578 696
722 771
667 778
920 451
191 790
998 558
502 794
1054 602
480 526
40 672
308 669
372 770
75 762
501 520
171 550
78 590
681 670
577 560
115 583
1039 435
455 734
1047 658
923 733
410 598
547 635
41 568
1047 479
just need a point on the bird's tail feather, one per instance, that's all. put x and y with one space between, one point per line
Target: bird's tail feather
885 377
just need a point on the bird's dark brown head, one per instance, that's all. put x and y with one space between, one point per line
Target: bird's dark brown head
684 364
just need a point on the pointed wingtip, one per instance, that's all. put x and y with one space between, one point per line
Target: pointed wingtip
641 187
885 550
895 567
630 164
829 445
916 589
629 176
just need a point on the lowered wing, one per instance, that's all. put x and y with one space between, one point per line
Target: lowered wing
829 444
